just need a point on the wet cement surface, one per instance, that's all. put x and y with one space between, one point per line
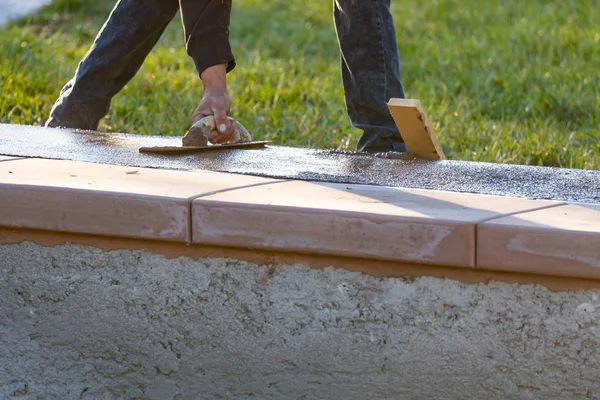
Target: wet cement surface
307 164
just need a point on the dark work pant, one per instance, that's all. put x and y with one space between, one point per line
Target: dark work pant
120 48
370 66
370 70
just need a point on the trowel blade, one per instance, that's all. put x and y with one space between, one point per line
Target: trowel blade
197 149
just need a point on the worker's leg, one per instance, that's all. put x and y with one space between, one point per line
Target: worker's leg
129 34
370 70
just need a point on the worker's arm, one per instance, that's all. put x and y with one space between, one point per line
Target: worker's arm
206 26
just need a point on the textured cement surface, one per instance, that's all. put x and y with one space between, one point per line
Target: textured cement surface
306 164
80 323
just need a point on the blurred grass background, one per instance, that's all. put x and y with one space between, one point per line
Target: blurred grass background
502 81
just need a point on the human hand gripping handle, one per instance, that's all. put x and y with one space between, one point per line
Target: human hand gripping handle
216 102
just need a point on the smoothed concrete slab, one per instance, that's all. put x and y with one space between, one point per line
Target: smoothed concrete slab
306 164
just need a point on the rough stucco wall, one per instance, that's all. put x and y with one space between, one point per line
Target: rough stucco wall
77 322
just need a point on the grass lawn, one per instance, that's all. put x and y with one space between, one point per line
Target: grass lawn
504 81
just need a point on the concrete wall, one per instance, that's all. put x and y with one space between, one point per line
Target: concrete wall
77 322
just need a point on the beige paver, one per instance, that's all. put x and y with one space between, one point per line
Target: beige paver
351 220
563 240
79 197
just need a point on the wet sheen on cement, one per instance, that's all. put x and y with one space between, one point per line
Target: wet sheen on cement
307 164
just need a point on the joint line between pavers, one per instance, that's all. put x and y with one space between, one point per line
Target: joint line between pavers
191 201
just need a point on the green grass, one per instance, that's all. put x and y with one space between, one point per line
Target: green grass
505 81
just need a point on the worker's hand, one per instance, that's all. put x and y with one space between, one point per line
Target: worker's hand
216 102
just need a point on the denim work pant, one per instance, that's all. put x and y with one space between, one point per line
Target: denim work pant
370 66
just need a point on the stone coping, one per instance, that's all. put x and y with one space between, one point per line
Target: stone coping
425 229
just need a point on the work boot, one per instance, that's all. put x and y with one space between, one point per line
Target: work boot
381 141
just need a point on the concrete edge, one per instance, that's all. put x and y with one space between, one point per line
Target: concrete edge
354 258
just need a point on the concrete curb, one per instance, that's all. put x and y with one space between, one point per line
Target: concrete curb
419 227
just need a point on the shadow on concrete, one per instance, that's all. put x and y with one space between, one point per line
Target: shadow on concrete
430 205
